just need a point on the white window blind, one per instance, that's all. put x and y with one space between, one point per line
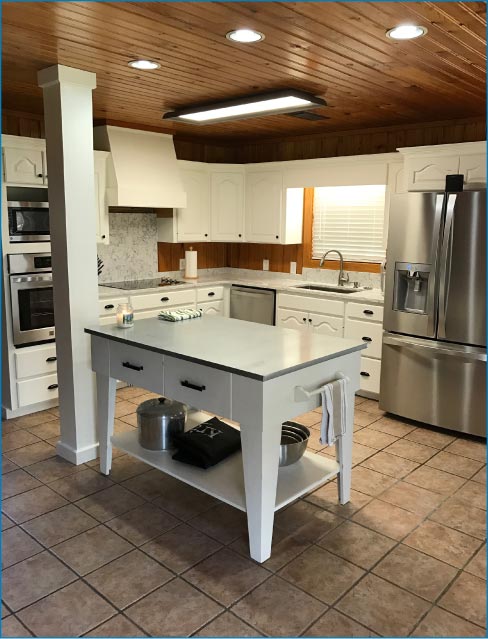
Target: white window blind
350 219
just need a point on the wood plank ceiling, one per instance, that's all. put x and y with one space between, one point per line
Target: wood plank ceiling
337 50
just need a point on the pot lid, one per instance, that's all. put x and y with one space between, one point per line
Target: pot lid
161 406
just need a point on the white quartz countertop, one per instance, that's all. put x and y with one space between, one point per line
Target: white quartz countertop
253 350
373 296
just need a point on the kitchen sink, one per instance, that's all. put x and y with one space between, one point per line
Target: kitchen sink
330 288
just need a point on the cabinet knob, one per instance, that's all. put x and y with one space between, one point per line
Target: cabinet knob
240 234
310 321
277 237
206 234
103 237
39 175
304 319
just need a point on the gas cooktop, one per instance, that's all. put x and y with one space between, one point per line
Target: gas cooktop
141 284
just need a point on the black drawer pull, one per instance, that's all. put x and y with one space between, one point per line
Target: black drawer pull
133 367
108 306
188 384
367 339
52 387
368 312
51 359
364 374
165 299
211 294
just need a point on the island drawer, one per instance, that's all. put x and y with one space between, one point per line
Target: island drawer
198 386
210 293
163 298
311 304
109 306
368 312
137 366
369 332
39 389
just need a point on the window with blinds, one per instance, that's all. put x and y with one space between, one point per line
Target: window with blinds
350 219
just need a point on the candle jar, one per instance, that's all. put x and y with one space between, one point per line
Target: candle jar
125 316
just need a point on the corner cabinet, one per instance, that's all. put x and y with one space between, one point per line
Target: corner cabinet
426 167
227 205
193 222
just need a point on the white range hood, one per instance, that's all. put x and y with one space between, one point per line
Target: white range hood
143 171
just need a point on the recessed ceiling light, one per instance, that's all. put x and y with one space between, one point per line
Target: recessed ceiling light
245 35
144 65
406 32
284 101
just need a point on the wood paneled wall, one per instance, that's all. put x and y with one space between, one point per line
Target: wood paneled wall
221 254
365 141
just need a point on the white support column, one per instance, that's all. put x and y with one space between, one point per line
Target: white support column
69 139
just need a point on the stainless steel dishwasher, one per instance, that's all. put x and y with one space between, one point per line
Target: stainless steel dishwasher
253 304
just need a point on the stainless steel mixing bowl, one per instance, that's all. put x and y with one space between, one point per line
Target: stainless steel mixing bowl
294 441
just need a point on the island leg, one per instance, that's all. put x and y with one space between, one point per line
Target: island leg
105 419
260 459
344 452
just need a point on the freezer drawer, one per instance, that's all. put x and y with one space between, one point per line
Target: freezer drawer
435 383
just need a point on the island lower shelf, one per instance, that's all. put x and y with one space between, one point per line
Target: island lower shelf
225 481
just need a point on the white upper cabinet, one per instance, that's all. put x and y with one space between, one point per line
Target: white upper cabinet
25 166
426 167
193 222
101 206
227 205
264 205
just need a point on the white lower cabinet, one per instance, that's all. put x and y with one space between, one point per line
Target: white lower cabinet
37 389
212 308
365 322
35 360
326 324
286 318
370 375
370 333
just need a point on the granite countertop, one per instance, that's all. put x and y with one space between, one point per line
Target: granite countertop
253 350
279 285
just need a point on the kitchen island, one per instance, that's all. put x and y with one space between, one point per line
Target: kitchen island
257 375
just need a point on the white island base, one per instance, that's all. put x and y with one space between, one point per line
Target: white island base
249 373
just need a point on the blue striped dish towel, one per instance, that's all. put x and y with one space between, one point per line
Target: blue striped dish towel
179 314
334 411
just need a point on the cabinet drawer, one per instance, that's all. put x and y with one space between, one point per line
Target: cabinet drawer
369 332
163 299
109 306
36 360
210 388
212 308
312 304
367 312
370 375
209 294
40 389
137 366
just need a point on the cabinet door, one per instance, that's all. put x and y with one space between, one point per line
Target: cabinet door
101 208
264 203
212 308
194 221
291 319
473 167
24 166
326 324
227 206
429 173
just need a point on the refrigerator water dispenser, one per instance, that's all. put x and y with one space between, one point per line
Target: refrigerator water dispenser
411 287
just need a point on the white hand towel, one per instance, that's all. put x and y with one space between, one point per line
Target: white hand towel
334 411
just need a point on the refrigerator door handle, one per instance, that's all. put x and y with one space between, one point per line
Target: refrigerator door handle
476 354
445 265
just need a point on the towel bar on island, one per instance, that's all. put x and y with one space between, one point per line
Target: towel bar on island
305 394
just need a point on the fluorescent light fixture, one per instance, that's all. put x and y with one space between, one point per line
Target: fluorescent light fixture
406 32
285 101
245 35
144 65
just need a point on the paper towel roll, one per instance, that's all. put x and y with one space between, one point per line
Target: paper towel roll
191 269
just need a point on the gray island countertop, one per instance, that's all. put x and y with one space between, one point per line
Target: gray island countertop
253 350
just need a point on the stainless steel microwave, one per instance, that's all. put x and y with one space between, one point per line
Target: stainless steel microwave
28 221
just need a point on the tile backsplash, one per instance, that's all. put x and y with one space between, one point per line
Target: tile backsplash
133 250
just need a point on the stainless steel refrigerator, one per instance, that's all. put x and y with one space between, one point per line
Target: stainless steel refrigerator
434 344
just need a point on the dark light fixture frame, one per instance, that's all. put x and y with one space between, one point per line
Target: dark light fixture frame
248 99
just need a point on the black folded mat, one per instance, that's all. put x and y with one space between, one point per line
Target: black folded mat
207 444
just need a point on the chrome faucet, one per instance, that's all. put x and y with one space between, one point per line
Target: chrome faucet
343 277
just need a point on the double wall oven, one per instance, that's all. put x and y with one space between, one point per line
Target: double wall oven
31 290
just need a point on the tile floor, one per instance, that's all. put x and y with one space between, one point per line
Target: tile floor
140 554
